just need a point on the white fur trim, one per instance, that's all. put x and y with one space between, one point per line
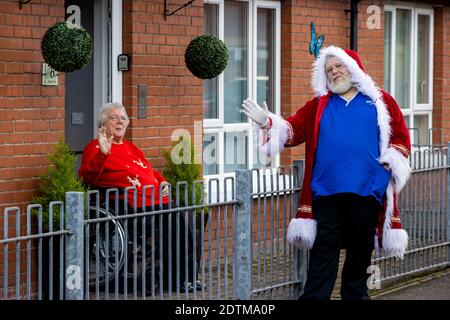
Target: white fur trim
395 242
384 119
361 81
302 232
278 135
389 206
399 166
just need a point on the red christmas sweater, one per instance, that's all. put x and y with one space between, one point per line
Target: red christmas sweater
124 166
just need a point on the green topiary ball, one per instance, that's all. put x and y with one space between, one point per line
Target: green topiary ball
206 56
66 47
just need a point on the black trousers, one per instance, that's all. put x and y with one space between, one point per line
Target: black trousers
343 221
167 225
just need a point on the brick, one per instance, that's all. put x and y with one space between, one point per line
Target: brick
23 79
13 91
31 21
31 68
40 10
6 31
13 20
49 91
40 126
6 126
31 91
46 21
22 126
12 44
56 11
38 33
57 125
14 68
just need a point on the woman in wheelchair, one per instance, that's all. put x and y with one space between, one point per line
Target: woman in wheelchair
114 162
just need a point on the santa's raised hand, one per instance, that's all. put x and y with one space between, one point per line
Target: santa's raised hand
259 115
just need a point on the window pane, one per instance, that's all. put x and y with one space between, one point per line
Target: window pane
235 75
387 50
407 121
412 132
260 160
423 58
210 154
266 57
402 57
421 124
210 93
235 151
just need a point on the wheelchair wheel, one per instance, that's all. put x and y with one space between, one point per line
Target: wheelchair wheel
106 248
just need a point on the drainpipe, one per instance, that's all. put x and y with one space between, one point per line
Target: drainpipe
354 24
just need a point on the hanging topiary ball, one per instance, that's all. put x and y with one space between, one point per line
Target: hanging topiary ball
206 56
66 47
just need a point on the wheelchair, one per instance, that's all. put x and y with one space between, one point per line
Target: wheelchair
118 256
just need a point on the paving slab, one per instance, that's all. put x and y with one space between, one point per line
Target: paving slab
432 287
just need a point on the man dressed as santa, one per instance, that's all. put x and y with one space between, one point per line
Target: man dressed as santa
357 145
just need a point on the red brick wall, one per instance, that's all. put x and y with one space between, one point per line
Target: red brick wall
371 42
157 47
32 116
441 95
445 67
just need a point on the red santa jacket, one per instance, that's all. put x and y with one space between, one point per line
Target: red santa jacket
125 166
394 150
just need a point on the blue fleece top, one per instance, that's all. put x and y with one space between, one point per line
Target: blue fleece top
347 152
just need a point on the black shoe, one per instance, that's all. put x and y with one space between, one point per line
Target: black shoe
190 286
148 289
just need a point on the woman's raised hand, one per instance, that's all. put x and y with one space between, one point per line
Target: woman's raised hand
103 141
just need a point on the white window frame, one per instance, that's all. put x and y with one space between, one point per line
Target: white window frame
217 126
414 109
107 46
419 11
116 49
218 123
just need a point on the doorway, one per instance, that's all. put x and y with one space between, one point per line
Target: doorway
89 88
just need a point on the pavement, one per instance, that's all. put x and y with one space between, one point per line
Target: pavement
434 286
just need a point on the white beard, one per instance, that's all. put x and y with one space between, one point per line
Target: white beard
341 86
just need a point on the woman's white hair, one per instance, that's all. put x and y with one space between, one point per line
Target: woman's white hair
101 119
